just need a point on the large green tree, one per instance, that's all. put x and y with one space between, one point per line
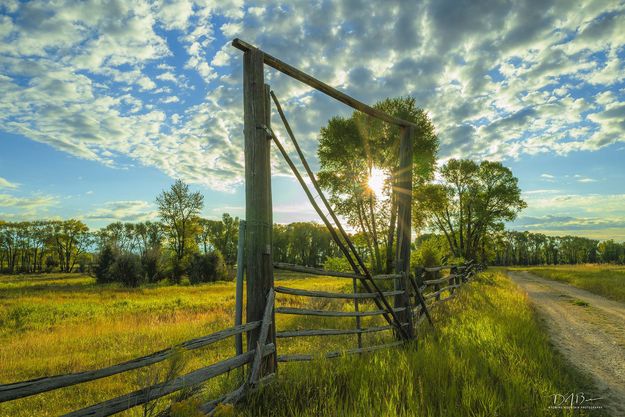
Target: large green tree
352 149
470 202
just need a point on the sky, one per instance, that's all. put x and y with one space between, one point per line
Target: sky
104 103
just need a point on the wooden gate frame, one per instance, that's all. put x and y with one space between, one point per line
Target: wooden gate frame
258 203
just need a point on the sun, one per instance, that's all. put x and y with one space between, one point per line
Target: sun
376 181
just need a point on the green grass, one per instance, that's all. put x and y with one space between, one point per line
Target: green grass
488 357
605 280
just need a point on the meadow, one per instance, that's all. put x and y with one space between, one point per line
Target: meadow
488 356
602 279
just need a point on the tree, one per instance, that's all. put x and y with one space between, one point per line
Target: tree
471 202
352 149
71 238
179 209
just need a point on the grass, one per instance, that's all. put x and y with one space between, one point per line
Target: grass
488 357
605 280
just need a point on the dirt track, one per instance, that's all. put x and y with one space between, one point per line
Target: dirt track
591 336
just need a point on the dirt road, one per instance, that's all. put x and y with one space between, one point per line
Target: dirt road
588 329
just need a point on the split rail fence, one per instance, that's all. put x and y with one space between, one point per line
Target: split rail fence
403 299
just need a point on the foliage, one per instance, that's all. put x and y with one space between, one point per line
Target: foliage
24 246
303 243
525 248
207 267
350 149
222 235
106 258
179 209
472 201
337 263
430 251
127 269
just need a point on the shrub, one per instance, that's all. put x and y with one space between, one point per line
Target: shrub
106 258
430 252
127 270
208 267
337 263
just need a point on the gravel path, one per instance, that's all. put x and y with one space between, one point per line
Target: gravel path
588 329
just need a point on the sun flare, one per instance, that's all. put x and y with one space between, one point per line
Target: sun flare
376 181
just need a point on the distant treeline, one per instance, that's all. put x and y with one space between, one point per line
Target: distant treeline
525 248
69 246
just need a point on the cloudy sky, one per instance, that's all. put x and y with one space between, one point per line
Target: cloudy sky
104 103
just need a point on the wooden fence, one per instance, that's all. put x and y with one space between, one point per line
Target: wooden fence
404 307
425 290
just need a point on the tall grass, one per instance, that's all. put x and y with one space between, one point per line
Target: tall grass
488 357
604 280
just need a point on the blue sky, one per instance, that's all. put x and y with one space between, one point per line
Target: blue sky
103 104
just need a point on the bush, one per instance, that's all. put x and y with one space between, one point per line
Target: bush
337 263
208 267
106 258
430 252
127 270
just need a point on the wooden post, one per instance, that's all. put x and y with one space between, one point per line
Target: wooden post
258 209
238 310
453 272
404 217
357 309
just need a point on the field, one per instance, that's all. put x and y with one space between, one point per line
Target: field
605 280
488 357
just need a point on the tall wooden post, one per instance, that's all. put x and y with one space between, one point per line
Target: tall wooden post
258 209
404 218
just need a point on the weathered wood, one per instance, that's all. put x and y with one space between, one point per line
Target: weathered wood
35 386
367 281
153 392
262 338
330 332
321 86
341 295
330 273
336 354
403 192
329 313
438 293
438 280
258 208
238 310
420 299
437 268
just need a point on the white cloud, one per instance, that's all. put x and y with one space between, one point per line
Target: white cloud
127 211
170 99
4 183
